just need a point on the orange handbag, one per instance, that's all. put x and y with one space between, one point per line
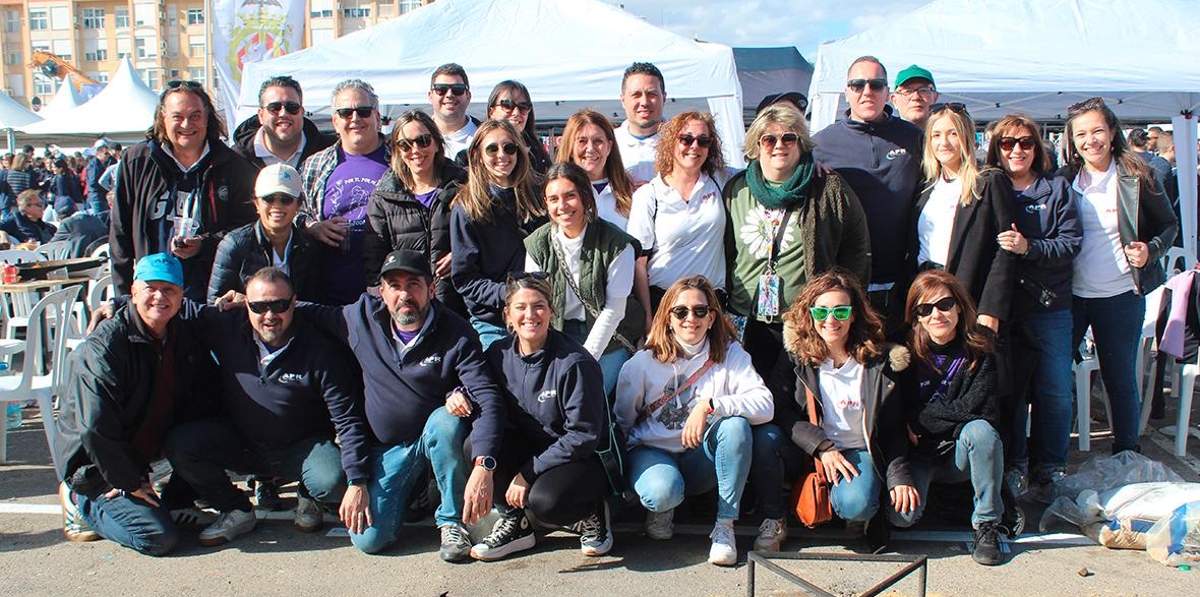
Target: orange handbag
810 493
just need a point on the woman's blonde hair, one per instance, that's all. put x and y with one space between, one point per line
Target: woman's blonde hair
476 200
614 168
784 114
661 341
968 171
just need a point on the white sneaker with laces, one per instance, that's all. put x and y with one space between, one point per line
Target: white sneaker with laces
229 526
771 534
724 544
596 537
309 515
660 526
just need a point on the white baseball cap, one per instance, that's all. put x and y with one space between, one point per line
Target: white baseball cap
278 178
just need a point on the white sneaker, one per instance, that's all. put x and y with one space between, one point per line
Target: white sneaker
771 534
309 515
724 545
660 526
229 526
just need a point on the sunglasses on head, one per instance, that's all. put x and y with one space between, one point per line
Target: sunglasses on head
517 277
681 312
280 198
857 85
1091 103
1008 143
787 139
456 89
177 83
275 306
348 113
509 105
840 313
956 107
493 149
944 305
290 107
421 141
687 139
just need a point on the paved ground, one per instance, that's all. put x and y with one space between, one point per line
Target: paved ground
35 560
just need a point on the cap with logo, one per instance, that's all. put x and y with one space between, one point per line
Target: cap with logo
159 267
794 97
914 72
407 260
278 178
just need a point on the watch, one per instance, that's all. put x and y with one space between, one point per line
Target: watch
487 462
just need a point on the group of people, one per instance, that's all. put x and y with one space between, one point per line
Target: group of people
460 312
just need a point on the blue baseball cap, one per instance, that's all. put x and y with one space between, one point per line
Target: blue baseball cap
159 267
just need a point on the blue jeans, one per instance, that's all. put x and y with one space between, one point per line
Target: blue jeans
662 479
488 333
777 459
1044 380
978 457
610 363
395 469
1117 329
130 522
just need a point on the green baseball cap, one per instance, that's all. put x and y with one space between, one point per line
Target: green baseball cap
914 72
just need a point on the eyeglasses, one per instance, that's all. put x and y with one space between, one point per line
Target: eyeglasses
687 139
840 313
455 88
348 113
857 85
275 306
956 107
493 149
517 277
921 91
1092 103
1008 143
944 305
421 141
290 107
280 198
681 312
508 106
787 139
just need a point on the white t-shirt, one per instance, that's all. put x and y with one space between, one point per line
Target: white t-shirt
841 403
935 225
687 238
1101 268
459 140
637 154
606 206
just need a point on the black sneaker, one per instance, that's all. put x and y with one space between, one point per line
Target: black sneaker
987 544
266 494
595 537
456 542
511 534
878 532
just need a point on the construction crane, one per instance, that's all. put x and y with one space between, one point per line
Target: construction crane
54 67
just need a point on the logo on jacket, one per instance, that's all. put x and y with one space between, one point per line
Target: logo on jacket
548 395
223 193
897 152
1036 207
431 360
291 379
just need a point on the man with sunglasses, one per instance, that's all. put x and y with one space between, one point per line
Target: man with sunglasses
915 93
449 98
280 133
879 155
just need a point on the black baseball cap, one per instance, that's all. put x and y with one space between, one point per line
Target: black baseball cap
406 260
795 97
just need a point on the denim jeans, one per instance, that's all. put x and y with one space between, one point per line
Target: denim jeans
610 363
396 468
1117 329
1042 371
662 479
777 459
488 333
130 522
979 458
201 452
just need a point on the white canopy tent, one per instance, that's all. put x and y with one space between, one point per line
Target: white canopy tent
67 98
569 53
125 105
14 116
1039 57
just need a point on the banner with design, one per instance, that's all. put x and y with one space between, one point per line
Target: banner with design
250 31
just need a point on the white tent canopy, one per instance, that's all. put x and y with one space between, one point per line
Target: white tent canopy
569 53
14 115
125 105
67 98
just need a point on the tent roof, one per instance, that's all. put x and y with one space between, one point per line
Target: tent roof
125 105
1037 56
14 115
767 59
67 98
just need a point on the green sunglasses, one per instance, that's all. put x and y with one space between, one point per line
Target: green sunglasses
841 313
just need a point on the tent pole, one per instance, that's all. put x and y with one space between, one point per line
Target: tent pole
11 137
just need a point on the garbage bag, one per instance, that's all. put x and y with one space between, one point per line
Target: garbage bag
1082 499
1175 540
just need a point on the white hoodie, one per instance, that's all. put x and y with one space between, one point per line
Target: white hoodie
735 388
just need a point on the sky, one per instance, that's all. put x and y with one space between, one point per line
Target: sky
805 24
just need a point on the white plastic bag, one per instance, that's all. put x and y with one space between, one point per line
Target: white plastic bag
1175 540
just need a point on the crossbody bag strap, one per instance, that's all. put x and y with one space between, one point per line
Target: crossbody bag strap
649 409
562 262
812 418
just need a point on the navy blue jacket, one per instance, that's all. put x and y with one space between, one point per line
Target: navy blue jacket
882 163
555 398
1046 214
97 195
246 250
81 230
22 229
401 392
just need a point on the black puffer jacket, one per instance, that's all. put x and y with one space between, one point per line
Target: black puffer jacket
247 250
243 135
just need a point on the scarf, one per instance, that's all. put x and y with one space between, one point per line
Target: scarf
786 195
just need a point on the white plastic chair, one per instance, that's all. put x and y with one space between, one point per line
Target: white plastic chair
17 305
1177 260
36 378
98 291
1184 383
56 250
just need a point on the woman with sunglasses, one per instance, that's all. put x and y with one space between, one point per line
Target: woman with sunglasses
686 404
590 262
679 217
1128 225
787 223
1043 240
952 411
961 211
557 420
588 140
510 101
490 219
410 208
837 340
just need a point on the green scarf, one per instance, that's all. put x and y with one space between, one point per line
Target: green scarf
786 195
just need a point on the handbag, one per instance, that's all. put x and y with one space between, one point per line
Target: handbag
810 493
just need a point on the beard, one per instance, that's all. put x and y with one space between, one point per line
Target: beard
413 317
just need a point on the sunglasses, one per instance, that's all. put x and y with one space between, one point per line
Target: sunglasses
857 85
348 113
945 306
787 139
840 313
509 105
681 312
1026 143
493 149
456 89
177 83
290 107
280 198
275 306
956 107
517 277
421 141
1092 103
687 139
